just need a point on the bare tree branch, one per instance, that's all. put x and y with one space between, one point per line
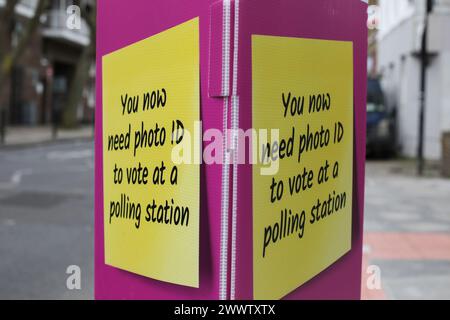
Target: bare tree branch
6 18
10 58
7 13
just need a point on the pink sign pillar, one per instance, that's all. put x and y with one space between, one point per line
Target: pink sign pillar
225 32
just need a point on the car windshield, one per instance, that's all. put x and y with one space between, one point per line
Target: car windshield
375 107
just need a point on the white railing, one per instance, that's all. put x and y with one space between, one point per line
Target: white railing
55 26
31 4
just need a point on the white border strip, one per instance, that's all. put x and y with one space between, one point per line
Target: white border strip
226 40
223 272
234 128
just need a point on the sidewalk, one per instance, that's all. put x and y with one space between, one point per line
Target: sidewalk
29 135
407 232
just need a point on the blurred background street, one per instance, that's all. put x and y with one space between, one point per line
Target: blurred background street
46 220
407 231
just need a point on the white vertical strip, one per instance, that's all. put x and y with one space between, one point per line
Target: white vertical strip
226 47
235 45
235 124
235 130
223 272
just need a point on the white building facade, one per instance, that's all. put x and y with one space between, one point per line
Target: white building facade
399 43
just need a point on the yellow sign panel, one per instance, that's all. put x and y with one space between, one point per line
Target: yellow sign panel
151 204
302 182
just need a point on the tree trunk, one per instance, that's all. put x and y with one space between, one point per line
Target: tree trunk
9 59
81 75
75 95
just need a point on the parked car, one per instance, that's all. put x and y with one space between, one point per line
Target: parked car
381 122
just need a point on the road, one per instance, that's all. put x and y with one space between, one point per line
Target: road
46 225
46 220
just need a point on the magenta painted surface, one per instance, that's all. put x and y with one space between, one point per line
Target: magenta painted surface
121 23
320 19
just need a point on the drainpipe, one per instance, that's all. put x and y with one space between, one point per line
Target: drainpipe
423 73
